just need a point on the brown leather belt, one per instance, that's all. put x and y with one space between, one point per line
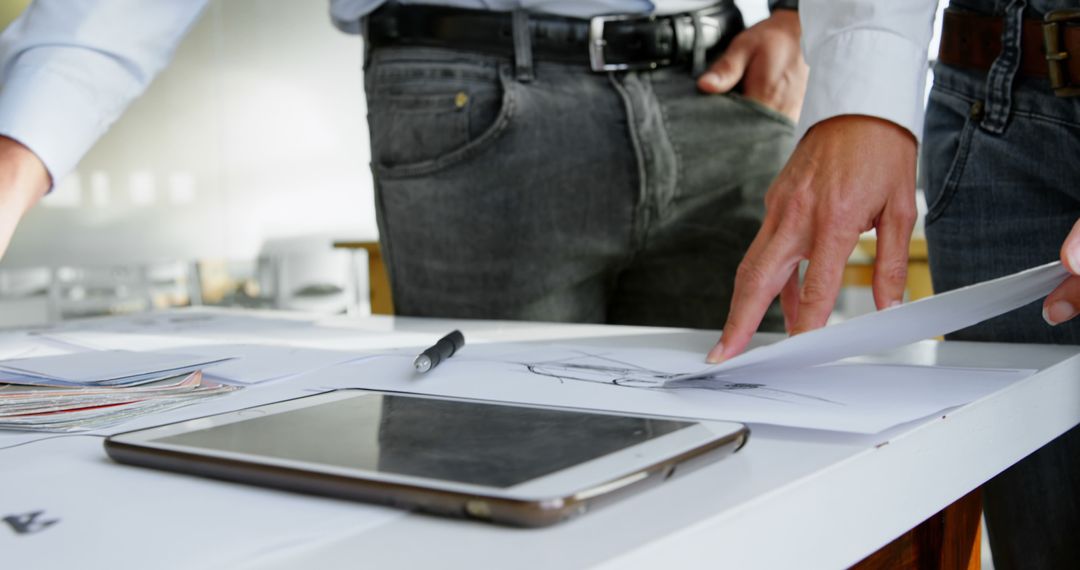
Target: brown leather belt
1049 48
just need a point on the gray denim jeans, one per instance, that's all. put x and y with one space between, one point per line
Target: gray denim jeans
1001 158
568 196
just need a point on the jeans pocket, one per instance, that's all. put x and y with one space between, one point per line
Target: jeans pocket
947 147
426 117
761 108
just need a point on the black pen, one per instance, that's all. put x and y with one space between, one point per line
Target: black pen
445 348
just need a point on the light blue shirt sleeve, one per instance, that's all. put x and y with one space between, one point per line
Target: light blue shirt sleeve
866 57
69 68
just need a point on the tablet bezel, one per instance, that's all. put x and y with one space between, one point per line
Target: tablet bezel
573 485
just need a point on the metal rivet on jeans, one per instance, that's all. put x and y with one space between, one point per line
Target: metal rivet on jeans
976 111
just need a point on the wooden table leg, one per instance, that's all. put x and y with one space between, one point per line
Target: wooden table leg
948 540
382 301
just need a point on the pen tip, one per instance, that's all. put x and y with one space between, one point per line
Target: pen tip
422 363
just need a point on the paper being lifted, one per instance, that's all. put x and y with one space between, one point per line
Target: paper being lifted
891 328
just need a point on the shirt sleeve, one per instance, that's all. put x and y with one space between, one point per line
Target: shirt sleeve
866 57
69 68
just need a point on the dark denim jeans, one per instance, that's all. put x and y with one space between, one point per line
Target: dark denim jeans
1001 158
574 196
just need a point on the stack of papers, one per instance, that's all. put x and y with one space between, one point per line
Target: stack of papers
84 391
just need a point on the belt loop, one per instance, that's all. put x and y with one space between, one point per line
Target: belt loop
697 66
523 59
999 80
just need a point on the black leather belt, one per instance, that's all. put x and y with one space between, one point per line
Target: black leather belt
605 43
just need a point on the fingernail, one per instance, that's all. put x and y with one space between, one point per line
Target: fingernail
712 80
1058 312
895 304
716 354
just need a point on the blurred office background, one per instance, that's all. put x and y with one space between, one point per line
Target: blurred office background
243 161
226 183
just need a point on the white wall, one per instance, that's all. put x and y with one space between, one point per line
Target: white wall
256 131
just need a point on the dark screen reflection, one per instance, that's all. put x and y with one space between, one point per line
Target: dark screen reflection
467 442
500 446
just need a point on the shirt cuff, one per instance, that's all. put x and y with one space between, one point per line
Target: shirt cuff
52 114
866 72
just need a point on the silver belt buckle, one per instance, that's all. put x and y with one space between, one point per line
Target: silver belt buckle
597 60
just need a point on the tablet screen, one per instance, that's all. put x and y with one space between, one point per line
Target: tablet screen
494 445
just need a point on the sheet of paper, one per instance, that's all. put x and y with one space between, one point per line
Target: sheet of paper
27 345
254 363
191 322
136 518
857 398
315 337
904 324
177 328
102 367
104 340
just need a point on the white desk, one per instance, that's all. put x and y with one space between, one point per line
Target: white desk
790 499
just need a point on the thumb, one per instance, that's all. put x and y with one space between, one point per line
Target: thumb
1070 250
727 70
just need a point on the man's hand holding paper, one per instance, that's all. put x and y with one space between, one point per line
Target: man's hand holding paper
852 171
1064 302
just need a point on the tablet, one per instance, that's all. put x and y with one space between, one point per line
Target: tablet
514 464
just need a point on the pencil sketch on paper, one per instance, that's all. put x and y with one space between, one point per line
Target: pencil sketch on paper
601 369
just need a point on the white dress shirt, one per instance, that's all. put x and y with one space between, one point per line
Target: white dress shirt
866 57
68 68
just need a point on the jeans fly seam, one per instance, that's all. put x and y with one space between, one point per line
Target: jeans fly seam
675 148
631 124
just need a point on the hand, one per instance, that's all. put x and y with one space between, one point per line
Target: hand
767 59
23 181
1063 303
847 175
